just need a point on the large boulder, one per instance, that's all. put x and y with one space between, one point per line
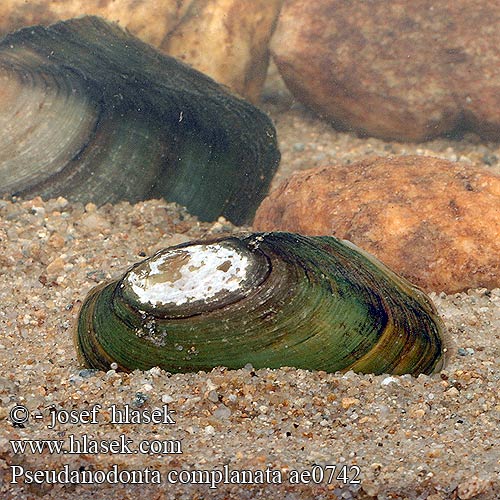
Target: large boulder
396 70
225 39
433 221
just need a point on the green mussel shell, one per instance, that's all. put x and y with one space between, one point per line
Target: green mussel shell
269 299
91 113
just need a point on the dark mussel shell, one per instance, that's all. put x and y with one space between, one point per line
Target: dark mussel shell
91 113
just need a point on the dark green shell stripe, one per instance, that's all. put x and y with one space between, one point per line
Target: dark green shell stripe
408 307
87 342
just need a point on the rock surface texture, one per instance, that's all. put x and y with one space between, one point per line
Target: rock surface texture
435 222
398 70
226 39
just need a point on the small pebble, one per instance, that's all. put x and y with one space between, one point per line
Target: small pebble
213 396
139 400
467 351
210 430
88 372
389 380
222 412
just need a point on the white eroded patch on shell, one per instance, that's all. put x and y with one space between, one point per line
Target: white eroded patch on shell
189 274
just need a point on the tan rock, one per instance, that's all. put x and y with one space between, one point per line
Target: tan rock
396 70
433 221
226 39
56 266
151 20
348 402
56 241
95 222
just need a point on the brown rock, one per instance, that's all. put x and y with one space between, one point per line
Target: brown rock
396 70
56 241
226 39
433 221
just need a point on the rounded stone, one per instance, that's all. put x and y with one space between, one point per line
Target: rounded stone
396 70
435 222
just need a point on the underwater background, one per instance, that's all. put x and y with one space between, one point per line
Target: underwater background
374 122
